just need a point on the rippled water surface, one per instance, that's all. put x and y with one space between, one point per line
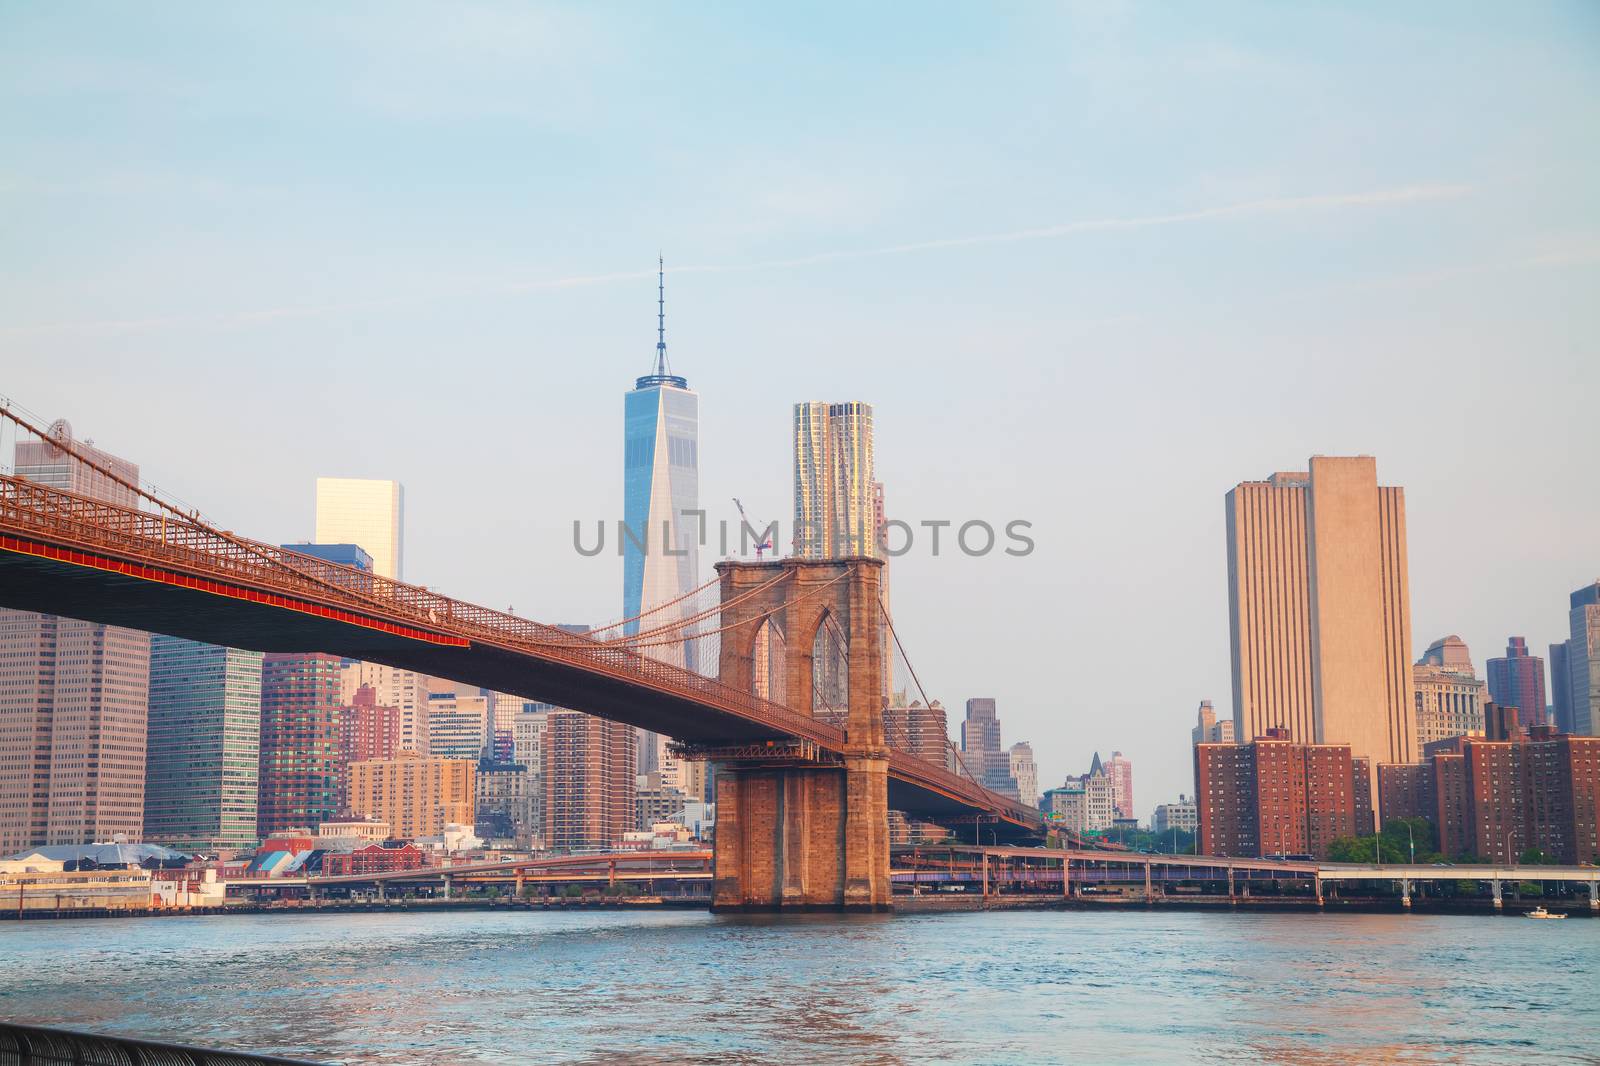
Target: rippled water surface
680 986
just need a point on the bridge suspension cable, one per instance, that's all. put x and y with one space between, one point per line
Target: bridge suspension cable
163 498
949 745
680 623
769 612
657 609
191 518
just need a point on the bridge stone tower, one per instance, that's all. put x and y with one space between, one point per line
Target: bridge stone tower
800 830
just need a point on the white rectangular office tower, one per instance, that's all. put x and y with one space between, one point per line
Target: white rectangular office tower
1320 609
367 513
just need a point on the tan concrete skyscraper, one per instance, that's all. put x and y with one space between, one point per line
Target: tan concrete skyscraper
418 797
1320 609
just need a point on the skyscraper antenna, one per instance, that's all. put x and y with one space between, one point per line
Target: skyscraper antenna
663 372
662 367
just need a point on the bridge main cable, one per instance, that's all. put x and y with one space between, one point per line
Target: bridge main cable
657 609
630 639
994 797
193 519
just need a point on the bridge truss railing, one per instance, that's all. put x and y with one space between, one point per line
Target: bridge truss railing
160 538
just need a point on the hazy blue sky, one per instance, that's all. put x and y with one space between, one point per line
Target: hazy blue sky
1093 265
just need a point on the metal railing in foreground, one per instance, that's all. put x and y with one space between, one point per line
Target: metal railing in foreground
37 1045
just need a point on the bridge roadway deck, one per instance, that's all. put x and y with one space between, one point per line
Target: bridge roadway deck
1265 869
939 864
933 862
65 554
1455 872
685 863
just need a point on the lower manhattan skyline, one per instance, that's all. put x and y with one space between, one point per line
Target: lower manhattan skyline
969 534
1133 346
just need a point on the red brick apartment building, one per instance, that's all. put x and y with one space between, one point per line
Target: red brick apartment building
1275 796
1495 799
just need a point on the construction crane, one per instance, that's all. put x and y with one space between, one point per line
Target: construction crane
766 542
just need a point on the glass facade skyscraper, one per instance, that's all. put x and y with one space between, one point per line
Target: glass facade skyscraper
343 554
1583 660
202 766
660 486
300 718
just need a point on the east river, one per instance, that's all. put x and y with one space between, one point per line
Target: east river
685 986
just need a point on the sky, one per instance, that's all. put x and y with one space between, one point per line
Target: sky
1093 265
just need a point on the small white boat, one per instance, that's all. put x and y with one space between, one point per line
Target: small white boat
1540 912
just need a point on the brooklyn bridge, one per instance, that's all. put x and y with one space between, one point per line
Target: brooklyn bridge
802 800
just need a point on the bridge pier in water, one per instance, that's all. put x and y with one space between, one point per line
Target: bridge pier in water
802 838
799 828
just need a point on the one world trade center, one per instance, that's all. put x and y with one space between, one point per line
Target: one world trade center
661 492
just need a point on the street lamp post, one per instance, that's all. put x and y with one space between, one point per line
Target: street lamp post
1412 838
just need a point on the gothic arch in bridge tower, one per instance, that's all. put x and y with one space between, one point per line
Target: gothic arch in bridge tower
820 607
830 671
767 659
798 830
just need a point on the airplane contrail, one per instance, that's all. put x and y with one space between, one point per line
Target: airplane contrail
1269 206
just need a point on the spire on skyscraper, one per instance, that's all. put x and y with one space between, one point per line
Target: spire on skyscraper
661 316
663 374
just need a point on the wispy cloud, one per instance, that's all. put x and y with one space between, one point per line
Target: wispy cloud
1273 206
1244 209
